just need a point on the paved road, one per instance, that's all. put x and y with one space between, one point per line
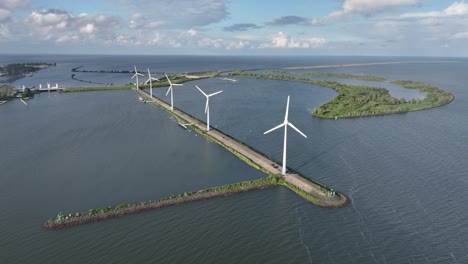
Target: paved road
251 154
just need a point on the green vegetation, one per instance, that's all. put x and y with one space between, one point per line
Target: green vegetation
171 200
103 213
320 187
343 75
359 101
162 83
27 94
7 92
17 71
97 88
435 96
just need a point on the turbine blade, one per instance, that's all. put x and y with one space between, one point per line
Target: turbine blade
168 90
215 93
149 74
168 79
287 110
276 127
207 105
134 76
295 128
178 84
201 91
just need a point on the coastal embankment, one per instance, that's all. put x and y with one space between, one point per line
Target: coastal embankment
361 64
100 214
312 191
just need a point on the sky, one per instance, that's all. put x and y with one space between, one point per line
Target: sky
235 27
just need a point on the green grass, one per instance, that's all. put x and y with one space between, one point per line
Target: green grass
98 88
6 92
358 101
228 187
343 75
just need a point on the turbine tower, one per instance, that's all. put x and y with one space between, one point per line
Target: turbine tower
286 123
170 89
150 80
207 107
136 75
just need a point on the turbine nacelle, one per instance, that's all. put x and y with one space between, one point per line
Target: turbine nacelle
136 76
170 90
285 124
207 106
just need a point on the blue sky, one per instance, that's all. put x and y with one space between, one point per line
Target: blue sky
229 27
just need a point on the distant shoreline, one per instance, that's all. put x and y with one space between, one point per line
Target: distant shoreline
361 64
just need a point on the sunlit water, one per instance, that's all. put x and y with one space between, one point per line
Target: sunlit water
405 174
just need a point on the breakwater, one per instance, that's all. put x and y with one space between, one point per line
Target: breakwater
100 214
313 191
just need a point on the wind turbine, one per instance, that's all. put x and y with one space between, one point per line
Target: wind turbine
170 89
136 75
286 123
207 107
150 80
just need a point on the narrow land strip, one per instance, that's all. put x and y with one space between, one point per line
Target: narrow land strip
320 194
361 64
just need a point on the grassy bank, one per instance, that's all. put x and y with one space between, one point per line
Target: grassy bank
343 75
321 188
97 88
359 101
99 214
176 79
6 92
94 215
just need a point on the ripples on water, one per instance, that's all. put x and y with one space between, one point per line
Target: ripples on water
405 175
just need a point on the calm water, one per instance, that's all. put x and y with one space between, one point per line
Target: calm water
405 174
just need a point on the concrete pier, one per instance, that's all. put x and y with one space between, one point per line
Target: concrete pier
322 194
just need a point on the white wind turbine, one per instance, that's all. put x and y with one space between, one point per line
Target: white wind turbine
170 89
286 123
136 75
150 80
207 107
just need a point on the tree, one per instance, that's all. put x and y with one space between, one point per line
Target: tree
27 93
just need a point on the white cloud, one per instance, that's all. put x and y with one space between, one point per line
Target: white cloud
88 29
188 34
282 40
177 14
5 34
4 14
226 44
248 37
58 23
461 35
155 24
67 38
14 4
367 7
455 9
156 40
